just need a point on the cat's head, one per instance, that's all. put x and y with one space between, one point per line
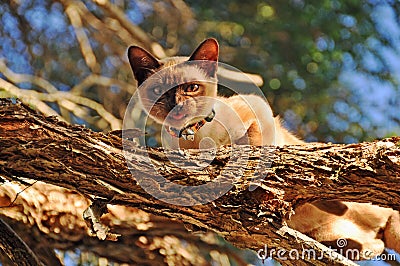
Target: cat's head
177 91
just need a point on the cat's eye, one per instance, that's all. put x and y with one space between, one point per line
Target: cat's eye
157 91
192 88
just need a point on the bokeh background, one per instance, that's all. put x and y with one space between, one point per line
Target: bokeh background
330 69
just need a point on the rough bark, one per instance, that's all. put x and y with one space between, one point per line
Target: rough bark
91 163
49 217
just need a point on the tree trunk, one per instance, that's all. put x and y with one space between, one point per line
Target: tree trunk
263 184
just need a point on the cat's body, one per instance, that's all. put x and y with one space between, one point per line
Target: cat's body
224 129
181 94
361 226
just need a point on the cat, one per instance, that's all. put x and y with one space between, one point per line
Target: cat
181 94
240 119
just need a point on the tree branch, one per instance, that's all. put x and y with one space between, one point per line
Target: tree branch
53 215
54 152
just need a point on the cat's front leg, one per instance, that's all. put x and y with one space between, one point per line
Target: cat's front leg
257 120
392 232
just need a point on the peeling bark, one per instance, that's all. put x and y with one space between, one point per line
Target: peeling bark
49 217
91 163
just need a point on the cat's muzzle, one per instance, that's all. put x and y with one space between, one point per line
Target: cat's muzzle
188 132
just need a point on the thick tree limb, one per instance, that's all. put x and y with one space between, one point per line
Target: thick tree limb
53 215
92 163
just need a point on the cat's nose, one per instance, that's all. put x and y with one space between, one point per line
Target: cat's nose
177 112
178 108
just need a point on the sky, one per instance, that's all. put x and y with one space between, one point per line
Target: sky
377 98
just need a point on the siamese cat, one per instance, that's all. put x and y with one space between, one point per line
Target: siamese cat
181 94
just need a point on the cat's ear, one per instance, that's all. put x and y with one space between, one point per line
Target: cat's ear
143 64
208 52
